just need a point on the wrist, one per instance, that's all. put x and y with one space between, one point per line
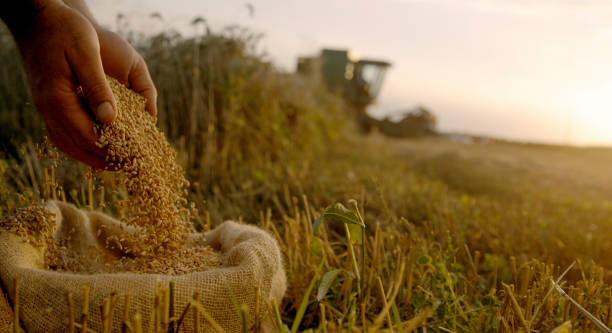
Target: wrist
20 15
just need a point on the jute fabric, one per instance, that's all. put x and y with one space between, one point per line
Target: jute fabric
251 263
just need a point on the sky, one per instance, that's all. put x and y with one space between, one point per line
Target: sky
527 70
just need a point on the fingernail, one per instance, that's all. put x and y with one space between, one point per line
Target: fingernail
105 112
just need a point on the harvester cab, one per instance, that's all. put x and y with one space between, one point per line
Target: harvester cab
358 81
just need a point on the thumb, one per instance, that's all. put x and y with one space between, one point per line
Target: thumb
87 65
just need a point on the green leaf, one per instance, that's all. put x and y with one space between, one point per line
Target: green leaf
397 318
442 310
337 213
326 282
259 175
304 304
356 234
424 260
316 246
340 213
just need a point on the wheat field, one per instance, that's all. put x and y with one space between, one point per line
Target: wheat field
431 235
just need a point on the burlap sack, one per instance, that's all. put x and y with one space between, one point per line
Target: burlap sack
250 259
6 315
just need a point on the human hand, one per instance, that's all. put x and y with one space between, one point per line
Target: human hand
62 50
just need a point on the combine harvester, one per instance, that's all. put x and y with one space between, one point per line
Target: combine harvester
358 82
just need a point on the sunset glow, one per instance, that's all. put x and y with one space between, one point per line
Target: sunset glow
517 69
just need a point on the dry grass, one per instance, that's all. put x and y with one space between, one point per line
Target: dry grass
458 238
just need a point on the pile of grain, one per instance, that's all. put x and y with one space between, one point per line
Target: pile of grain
157 204
34 224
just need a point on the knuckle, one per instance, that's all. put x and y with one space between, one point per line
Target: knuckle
83 46
96 89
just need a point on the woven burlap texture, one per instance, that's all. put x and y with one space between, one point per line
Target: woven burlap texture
251 260
6 315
